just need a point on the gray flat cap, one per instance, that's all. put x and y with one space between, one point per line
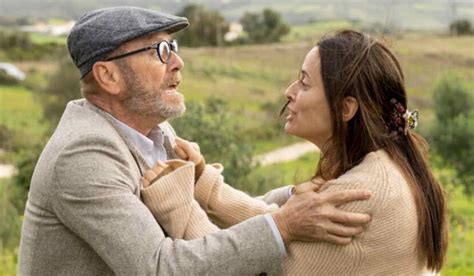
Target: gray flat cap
99 32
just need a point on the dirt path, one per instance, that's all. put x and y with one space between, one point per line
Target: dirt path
285 154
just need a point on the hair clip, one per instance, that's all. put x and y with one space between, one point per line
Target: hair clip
411 120
402 119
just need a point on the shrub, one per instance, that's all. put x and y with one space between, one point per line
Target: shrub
207 27
453 133
6 79
265 27
220 140
460 27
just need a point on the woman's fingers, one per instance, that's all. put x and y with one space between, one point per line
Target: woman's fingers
195 146
188 151
181 153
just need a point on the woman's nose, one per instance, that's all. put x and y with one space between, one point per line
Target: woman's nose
290 92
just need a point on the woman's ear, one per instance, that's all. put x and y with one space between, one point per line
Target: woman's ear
349 108
107 76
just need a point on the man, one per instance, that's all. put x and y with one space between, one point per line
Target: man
84 214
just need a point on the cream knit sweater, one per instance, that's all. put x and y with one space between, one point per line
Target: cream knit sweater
386 247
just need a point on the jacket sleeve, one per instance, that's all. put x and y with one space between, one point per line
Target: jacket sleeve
225 205
95 198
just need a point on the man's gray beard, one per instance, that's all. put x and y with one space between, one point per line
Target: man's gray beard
142 102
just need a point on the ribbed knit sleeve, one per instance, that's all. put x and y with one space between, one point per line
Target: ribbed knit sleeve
171 201
225 205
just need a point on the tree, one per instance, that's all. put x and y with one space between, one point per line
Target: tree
207 27
453 133
265 27
460 27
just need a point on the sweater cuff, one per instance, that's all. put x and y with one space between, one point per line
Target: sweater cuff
205 184
166 193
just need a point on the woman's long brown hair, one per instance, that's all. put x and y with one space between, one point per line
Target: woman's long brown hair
354 64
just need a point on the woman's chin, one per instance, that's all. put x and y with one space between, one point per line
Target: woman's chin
289 129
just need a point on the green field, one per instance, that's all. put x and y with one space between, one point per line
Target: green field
47 39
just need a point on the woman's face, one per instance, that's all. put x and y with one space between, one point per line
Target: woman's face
309 115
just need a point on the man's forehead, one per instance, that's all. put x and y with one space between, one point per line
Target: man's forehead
149 39
159 36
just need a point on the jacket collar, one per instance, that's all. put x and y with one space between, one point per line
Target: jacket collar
141 162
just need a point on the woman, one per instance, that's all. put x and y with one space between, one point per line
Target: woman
351 102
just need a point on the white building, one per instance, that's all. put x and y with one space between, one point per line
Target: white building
12 70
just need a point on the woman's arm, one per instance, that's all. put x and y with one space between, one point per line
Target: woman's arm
170 199
225 205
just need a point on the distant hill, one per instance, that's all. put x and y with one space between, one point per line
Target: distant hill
405 14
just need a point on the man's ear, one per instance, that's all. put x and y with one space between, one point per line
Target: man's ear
108 77
349 108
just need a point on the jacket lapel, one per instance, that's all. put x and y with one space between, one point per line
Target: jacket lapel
139 159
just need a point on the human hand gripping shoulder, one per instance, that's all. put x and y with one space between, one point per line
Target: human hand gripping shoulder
310 216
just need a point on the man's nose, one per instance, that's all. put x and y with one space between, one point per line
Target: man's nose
175 62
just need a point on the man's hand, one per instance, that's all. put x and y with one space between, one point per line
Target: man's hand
190 151
313 185
314 217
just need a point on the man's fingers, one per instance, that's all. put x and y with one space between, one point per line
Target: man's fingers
348 217
341 197
318 183
337 239
343 230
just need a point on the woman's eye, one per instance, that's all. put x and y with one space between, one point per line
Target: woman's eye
302 83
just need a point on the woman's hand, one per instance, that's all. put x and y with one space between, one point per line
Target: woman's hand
159 170
190 151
